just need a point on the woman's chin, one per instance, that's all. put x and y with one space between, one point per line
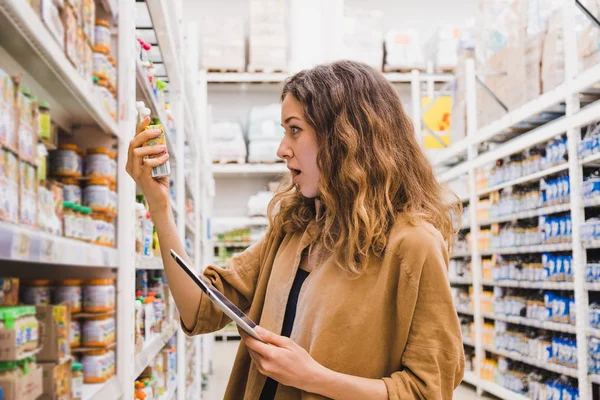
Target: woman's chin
309 193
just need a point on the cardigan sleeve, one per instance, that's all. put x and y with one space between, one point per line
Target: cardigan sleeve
433 359
237 282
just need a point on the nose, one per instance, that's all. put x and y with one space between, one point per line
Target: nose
284 151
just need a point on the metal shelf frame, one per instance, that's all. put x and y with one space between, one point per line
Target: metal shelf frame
566 96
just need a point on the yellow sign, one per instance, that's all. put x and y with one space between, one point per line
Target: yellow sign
437 119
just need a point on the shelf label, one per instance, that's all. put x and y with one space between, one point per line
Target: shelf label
21 246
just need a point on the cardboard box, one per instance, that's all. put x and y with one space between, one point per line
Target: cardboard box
50 15
8 112
223 43
9 186
28 189
27 125
55 336
57 380
69 21
267 35
9 291
28 387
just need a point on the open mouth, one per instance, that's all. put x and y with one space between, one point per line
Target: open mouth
295 172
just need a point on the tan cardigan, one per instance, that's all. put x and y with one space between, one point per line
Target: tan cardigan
396 322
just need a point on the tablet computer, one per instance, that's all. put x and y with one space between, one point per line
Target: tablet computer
219 299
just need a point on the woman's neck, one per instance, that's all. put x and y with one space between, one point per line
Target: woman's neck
317 209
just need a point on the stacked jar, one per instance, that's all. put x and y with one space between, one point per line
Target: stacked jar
105 68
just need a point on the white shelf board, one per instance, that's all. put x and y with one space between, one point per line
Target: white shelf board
464 310
246 77
540 248
591 244
471 378
590 159
525 179
397 77
33 246
548 366
148 262
190 228
166 31
144 90
593 286
241 221
548 325
594 332
244 170
528 214
102 391
500 391
461 254
461 281
531 285
595 379
468 341
591 201
25 37
152 348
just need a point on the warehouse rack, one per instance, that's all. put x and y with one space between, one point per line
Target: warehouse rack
468 155
26 46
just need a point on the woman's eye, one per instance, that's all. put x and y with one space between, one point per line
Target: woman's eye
294 129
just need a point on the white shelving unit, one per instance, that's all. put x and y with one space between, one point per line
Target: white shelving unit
26 45
565 99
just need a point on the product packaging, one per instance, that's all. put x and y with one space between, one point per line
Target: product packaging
57 379
55 340
9 291
8 110
164 169
29 386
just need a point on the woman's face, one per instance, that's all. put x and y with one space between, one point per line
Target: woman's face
299 147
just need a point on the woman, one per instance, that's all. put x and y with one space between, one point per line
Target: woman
353 266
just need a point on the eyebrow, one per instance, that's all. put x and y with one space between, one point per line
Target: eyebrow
288 119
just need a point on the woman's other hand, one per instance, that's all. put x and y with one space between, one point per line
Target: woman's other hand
281 359
139 167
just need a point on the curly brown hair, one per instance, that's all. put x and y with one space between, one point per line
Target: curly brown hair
372 167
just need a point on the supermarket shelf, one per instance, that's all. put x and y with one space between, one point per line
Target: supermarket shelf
531 285
102 391
464 310
151 349
241 221
170 394
234 244
548 325
246 77
591 201
26 244
594 287
593 332
548 366
145 92
525 179
471 378
166 31
461 281
528 214
468 341
540 248
465 198
595 379
110 6
500 391
148 262
25 37
190 228
591 159
591 244
395 77
242 170
461 254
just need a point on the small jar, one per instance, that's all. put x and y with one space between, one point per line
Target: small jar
77 380
101 63
29 327
75 333
65 161
71 190
77 222
104 95
93 366
68 219
97 163
44 126
113 199
96 195
110 227
102 34
113 166
69 291
36 292
99 295
98 228
98 331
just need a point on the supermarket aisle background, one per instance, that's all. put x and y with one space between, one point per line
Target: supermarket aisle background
224 353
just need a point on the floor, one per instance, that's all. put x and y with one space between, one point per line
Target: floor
224 354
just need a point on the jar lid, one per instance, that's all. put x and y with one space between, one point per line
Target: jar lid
98 150
7 365
76 366
100 281
37 282
99 352
68 146
70 181
98 318
103 22
69 282
86 210
98 181
68 204
112 155
76 207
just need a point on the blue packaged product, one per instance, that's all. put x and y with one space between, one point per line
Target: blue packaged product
569 223
559 272
556 231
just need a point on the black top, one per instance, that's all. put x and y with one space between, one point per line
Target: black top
270 388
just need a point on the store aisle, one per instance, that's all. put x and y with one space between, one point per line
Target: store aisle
224 355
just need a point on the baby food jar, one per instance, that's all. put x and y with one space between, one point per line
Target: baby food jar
98 331
71 190
101 63
77 380
36 292
99 295
98 228
102 34
112 199
96 195
30 327
69 291
97 163
10 318
75 334
94 366
66 161
112 175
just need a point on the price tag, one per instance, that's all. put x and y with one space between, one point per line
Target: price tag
21 246
48 250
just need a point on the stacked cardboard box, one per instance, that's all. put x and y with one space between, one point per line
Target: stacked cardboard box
223 43
442 48
264 133
268 38
363 36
